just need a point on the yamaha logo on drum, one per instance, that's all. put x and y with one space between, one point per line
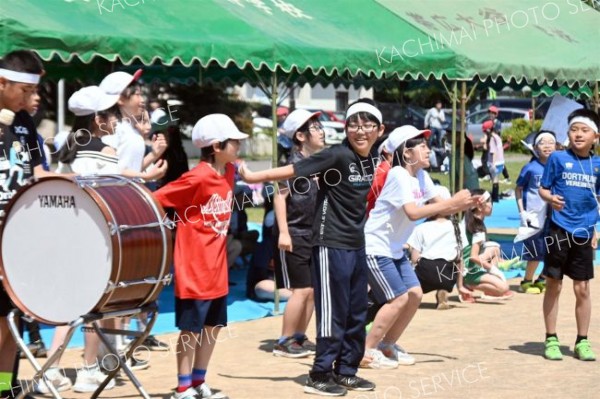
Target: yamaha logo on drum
57 201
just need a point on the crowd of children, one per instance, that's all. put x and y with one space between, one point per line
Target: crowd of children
346 223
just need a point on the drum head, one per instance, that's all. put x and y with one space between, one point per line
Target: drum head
56 251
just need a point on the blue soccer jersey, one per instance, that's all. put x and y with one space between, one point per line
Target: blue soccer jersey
529 179
576 180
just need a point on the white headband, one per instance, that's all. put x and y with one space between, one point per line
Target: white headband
364 107
20 77
586 121
542 136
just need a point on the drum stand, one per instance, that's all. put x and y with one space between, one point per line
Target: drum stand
94 319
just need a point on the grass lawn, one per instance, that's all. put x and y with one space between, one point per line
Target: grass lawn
514 162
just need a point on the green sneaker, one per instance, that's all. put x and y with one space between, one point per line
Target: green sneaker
529 287
508 264
552 351
541 284
583 351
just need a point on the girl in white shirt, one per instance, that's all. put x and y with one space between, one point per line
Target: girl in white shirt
391 276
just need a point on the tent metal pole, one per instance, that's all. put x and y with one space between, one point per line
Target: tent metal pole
274 164
61 105
453 97
532 111
596 97
463 123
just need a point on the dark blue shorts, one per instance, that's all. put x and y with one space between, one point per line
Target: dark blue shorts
193 314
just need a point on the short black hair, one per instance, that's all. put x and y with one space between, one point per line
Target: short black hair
22 61
586 113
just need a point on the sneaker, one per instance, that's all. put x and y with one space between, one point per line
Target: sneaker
324 386
492 298
308 345
529 287
56 378
354 383
290 348
204 391
441 298
583 351
375 359
508 264
137 364
37 349
153 344
506 181
88 380
552 349
396 353
189 393
541 284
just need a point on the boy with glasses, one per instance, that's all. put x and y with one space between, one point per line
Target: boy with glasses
343 175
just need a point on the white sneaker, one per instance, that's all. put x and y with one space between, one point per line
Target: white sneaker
189 393
56 378
88 380
375 359
204 391
395 352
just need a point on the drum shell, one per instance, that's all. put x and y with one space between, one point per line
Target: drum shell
135 254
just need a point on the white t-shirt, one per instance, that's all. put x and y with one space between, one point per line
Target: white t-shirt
129 145
388 227
437 240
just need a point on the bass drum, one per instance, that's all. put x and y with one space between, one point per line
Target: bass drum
71 247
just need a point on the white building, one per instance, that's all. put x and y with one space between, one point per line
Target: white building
328 98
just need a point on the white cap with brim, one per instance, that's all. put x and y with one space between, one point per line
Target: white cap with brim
401 135
215 128
91 99
295 120
117 82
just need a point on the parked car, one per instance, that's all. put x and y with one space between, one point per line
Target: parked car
334 129
505 115
394 115
541 105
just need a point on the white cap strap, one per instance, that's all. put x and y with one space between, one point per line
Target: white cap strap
20 77
364 107
586 121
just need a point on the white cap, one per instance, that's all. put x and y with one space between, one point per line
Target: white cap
91 99
215 128
157 114
400 135
295 120
117 82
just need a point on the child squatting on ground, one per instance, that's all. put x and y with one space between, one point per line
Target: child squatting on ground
570 185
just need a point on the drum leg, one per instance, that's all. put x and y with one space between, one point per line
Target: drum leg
40 370
122 364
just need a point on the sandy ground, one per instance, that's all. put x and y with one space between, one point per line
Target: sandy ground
470 351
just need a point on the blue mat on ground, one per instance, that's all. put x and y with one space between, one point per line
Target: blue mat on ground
239 307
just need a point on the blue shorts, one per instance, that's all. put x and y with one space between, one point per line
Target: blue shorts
389 278
193 314
534 248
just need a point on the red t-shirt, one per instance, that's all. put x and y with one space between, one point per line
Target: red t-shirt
377 185
202 200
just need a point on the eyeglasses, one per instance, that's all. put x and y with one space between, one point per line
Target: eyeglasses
368 128
543 142
315 128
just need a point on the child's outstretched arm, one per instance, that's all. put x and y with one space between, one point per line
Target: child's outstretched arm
281 173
